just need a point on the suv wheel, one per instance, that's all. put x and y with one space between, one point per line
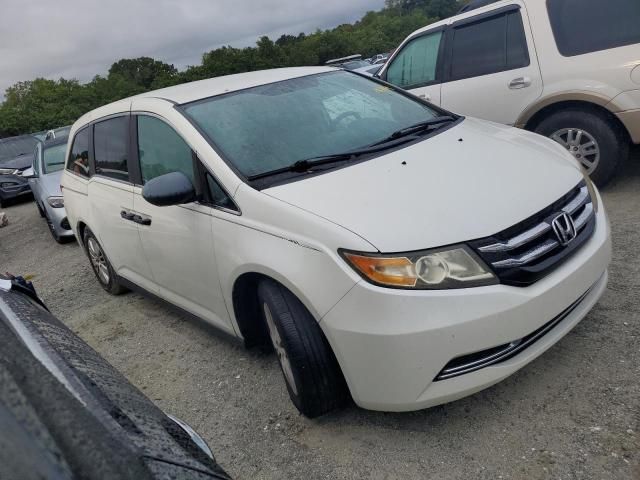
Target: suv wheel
100 264
311 372
594 140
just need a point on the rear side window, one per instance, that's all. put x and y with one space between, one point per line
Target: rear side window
110 146
78 161
492 45
584 26
416 65
161 150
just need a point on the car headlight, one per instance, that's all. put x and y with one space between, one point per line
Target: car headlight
7 171
451 267
55 202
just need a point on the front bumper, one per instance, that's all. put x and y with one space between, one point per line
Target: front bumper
12 186
392 344
58 217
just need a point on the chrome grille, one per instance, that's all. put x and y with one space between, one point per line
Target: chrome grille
528 251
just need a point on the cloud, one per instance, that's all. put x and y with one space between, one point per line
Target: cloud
79 39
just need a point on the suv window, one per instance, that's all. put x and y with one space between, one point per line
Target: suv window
584 26
78 161
161 150
492 45
110 147
416 64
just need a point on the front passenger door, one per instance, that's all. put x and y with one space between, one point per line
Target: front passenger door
178 240
415 67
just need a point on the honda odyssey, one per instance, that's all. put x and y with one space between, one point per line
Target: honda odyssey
389 251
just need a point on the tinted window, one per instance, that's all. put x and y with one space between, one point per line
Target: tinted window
416 64
488 46
218 196
583 26
272 126
110 146
161 150
79 156
53 158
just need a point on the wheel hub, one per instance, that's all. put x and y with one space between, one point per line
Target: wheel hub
581 144
98 261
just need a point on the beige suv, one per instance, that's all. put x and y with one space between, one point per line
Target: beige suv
567 69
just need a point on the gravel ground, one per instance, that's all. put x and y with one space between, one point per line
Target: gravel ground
573 413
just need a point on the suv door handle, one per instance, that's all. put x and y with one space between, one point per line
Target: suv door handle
135 218
425 96
522 82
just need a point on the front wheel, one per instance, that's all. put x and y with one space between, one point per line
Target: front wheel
100 264
595 140
310 369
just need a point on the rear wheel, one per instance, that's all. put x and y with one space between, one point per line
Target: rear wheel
595 140
101 266
310 369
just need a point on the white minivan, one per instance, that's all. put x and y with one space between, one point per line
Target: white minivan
567 69
390 251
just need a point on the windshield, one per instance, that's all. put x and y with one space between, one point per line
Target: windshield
54 158
15 146
272 126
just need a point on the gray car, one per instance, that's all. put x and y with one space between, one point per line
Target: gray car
48 163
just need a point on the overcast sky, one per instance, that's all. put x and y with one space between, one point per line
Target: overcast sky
82 38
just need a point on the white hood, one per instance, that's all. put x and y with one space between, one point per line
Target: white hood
468 182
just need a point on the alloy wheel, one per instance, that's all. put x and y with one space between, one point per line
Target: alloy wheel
98 260
279 348
582 145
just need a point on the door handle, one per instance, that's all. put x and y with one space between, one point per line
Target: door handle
135 218
425 96
521 82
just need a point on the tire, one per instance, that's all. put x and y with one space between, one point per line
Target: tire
100 264
40 210
610 140
313 377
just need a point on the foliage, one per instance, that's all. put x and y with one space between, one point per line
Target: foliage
42 104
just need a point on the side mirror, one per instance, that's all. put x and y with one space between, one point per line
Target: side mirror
169 189
29 173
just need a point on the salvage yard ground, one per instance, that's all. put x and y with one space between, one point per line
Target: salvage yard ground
574 413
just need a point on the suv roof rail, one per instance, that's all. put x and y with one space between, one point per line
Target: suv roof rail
473 4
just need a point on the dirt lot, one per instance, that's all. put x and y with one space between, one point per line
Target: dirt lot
572 414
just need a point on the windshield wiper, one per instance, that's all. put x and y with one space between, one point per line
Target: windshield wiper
303 166
416 128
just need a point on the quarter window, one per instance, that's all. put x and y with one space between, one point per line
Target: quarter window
161 150
416 65
110 145
584 26
218 196
78 161
488 46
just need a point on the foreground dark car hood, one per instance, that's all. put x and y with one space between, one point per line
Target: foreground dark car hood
19 162
66 413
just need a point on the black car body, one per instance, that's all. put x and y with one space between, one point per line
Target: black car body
66 413
16 155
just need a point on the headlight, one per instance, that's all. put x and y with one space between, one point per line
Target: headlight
56 202
7 171
452 267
